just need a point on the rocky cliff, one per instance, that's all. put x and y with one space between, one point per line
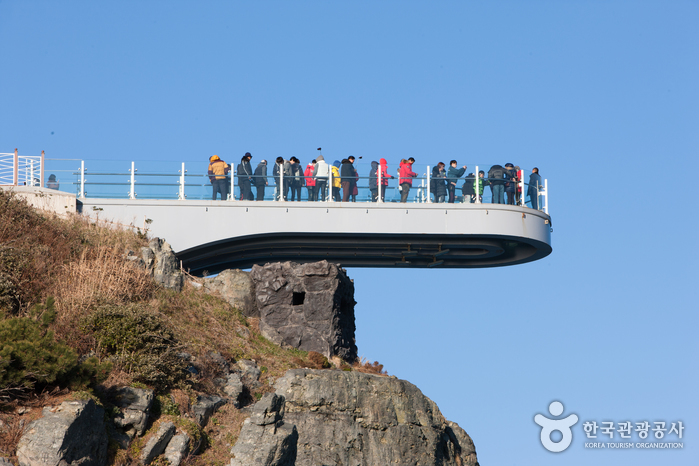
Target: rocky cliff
133 363
349 418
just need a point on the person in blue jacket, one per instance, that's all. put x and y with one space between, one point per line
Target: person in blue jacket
453 176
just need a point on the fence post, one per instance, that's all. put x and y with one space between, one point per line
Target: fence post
132 193
521 189
281 182
15 169
378 172
181 196
546 196
41 173
231 195
31 173
82 179
331 183
429 182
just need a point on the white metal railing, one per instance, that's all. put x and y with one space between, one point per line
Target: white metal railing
21 170
16 169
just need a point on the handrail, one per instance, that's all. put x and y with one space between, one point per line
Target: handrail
154 184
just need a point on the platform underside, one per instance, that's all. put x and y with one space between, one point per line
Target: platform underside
364 250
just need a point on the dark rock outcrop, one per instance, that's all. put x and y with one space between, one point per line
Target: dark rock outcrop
265 439
135 405
205 406
158 442
350 418
160 260
233 387
249 373
307 306
73 433
176 449
236 287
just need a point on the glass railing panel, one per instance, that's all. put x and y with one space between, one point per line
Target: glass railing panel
163 179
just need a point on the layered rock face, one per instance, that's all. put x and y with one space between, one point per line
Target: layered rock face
351 418
307 306
71 434
236 287
160 260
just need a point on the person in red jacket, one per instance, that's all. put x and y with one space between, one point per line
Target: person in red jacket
310 181
383 170
406 178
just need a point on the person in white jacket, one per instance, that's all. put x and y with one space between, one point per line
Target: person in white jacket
321 173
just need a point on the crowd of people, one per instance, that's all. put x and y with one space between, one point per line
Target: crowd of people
289 179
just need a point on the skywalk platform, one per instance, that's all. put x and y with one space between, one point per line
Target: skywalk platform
211 236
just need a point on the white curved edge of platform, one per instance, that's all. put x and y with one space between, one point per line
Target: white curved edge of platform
191 223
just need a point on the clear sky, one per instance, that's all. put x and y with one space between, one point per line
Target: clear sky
602 96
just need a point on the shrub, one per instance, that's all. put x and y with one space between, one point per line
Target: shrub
319 361
139 342
369 368
31 357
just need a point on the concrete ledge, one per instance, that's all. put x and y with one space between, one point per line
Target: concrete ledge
50 200
210 236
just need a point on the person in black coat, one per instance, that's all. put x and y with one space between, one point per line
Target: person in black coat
535 186
438 183
296 180
373 181
260 179
245 178
496 179
511 183
347 178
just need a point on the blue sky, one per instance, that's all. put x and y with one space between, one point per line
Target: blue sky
601 96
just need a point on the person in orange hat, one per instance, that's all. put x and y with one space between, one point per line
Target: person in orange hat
218 175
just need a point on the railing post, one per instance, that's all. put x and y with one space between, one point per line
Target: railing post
477 185
521 188
429 182
181 196
546 196
15 169
330 182
231 195
82 179
41 173
132 192
281 182
378 178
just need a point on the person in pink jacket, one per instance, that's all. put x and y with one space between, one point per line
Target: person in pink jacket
383 170
406 178
310 180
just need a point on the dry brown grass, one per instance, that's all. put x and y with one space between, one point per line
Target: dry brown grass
12 427
36 247
369 368
99 276
221 434
102 275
